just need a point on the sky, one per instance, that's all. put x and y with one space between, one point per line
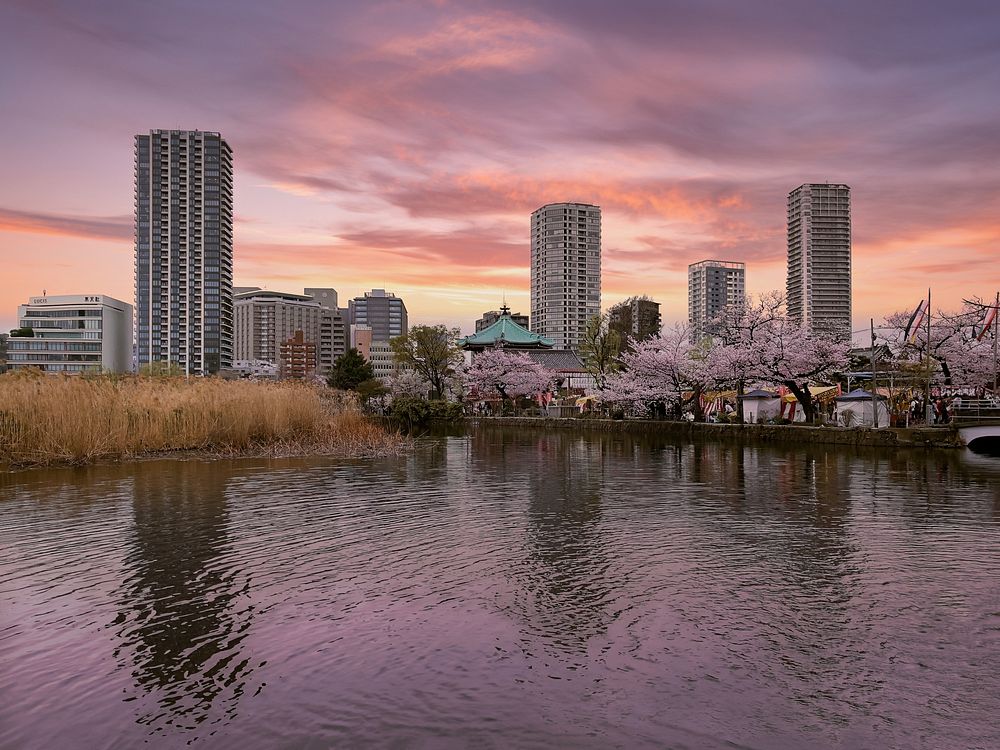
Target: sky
403 145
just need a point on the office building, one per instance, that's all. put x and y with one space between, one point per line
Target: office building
492 316
184 250
565 271
818 288
636 318
73 334
3 353
712 285
381 311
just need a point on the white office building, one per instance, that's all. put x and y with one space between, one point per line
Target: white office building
73 334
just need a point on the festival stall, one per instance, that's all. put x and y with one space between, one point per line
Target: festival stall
792 410
760 406
855 409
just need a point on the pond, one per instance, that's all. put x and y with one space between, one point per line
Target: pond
506 589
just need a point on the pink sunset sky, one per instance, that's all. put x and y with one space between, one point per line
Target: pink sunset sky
404 144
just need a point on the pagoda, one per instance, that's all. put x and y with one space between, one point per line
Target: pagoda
506 333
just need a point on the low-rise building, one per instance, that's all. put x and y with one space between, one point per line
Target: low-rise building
361 339
73 333
255 368
382 360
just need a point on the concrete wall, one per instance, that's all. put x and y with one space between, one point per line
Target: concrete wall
928 437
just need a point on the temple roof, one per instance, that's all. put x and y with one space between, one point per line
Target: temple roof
506 332
558 360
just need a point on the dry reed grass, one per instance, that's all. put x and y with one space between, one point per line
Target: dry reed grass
63 419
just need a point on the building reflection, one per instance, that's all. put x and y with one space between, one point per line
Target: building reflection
563 590
183 608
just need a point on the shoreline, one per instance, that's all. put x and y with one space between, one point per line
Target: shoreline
223 453
889 437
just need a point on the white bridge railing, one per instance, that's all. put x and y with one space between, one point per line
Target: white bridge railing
976 410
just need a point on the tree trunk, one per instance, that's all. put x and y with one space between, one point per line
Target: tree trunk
699 409
741 385
804 397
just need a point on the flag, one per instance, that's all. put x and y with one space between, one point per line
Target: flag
915 320
988 322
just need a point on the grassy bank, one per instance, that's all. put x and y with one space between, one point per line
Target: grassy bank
46 420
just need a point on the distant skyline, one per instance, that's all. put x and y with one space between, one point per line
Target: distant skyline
404 145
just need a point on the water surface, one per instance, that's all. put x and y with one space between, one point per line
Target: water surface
504 589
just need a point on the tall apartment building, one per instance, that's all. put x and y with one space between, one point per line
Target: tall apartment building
184 249
713 284
565 271
636 317
74 334
819 258
384 312
492 316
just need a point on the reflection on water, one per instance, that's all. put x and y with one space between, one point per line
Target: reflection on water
528 589
183 608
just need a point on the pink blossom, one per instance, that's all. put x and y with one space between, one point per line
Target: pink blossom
507 374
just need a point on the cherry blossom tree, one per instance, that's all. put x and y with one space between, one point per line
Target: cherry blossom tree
737 337
956 349
407 382
506 374
668 369
791 355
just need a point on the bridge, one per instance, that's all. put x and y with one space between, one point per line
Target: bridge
977 419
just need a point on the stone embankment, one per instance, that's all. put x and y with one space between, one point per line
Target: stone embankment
895 437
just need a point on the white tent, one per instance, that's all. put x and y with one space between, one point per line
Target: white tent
855 410
760 405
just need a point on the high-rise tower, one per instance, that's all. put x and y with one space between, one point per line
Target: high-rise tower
565 271
819 258
184 250
712 285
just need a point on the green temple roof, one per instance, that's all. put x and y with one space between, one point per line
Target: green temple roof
506 332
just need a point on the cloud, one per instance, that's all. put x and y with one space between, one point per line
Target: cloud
82 227
407 143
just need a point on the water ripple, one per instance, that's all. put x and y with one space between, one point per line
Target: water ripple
506 589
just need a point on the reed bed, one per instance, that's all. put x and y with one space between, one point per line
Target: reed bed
63 419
